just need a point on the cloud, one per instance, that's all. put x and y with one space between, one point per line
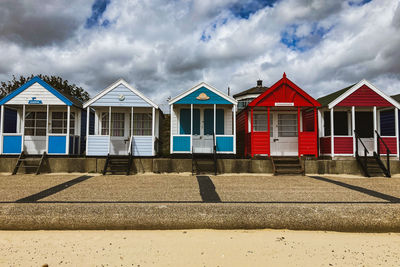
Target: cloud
165 47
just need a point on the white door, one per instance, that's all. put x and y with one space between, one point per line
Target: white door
284 140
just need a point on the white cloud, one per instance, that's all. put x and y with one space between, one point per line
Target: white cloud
156 45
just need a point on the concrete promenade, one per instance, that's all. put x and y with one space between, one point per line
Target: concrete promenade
182 201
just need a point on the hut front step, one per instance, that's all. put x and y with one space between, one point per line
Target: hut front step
118 164
287 166
29 163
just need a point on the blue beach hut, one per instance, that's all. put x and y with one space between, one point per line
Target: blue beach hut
125 123
37 118
203 119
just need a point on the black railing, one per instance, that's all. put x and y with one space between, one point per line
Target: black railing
379 141
363 160
215 153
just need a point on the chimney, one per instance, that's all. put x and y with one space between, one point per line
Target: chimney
259 83
229 91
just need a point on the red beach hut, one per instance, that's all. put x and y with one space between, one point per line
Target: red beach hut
282 121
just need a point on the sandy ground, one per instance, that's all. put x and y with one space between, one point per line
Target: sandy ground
198 248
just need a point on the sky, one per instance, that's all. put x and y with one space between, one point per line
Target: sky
165 47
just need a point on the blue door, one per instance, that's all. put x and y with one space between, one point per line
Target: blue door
209 121
185 121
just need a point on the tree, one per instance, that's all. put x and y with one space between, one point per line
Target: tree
55 81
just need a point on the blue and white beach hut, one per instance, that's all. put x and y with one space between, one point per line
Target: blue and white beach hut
202 119
38 118
126 122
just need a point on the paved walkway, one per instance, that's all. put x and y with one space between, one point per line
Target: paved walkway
185 201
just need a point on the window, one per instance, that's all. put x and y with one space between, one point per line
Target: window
35 123
59 123
142 124
287 125
340 123
260 122
117 124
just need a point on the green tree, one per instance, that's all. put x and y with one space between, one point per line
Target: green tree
55 81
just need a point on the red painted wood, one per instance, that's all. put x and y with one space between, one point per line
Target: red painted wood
344 145
391 142
364 97
316 130
307 143
260 142
308 120
285 91
269 133
325 145
299 147
252 134
241 132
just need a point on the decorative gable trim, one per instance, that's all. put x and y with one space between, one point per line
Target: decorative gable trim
28 84
112 87
207 86
359 85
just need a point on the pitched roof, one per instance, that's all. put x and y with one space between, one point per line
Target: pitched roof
396 97
325 100
66 98
252 91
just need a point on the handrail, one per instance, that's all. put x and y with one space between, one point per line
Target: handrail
379 138
215 153
358 137
130 144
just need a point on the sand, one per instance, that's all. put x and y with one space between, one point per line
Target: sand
198 248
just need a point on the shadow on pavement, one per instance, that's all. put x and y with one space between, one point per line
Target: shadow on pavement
369 192
53 190
207 190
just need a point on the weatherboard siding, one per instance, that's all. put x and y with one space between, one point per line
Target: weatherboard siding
192 98
364 97
142 146
112 98
98 145
38 91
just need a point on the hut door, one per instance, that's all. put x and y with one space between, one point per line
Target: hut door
284 140
365 128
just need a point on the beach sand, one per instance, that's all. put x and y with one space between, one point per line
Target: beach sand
198 248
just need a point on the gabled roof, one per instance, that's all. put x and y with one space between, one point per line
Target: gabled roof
349 90
209 87
252 91
113 86
325 100
285 80
396 97
67 99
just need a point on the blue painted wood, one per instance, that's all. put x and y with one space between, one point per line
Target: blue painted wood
57 144
224 143
184 121
387 123
10 121
181 144
192 98
142 146
31 82
12 144
98 145
209 121
130 99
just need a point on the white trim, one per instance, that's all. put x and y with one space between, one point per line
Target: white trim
87 128
332 135
23 127
109 128
209 87
375 129
170 123
396 126
1 129
356 87
68 126
113 86
353 127
153 126
47 128
215 119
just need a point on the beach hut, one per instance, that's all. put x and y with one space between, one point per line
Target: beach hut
38 119
282 121
126 122
359 121
203 122
360 111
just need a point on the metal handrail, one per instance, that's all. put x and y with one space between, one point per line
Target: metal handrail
379 138
215 153
358 137
130 144
365 163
